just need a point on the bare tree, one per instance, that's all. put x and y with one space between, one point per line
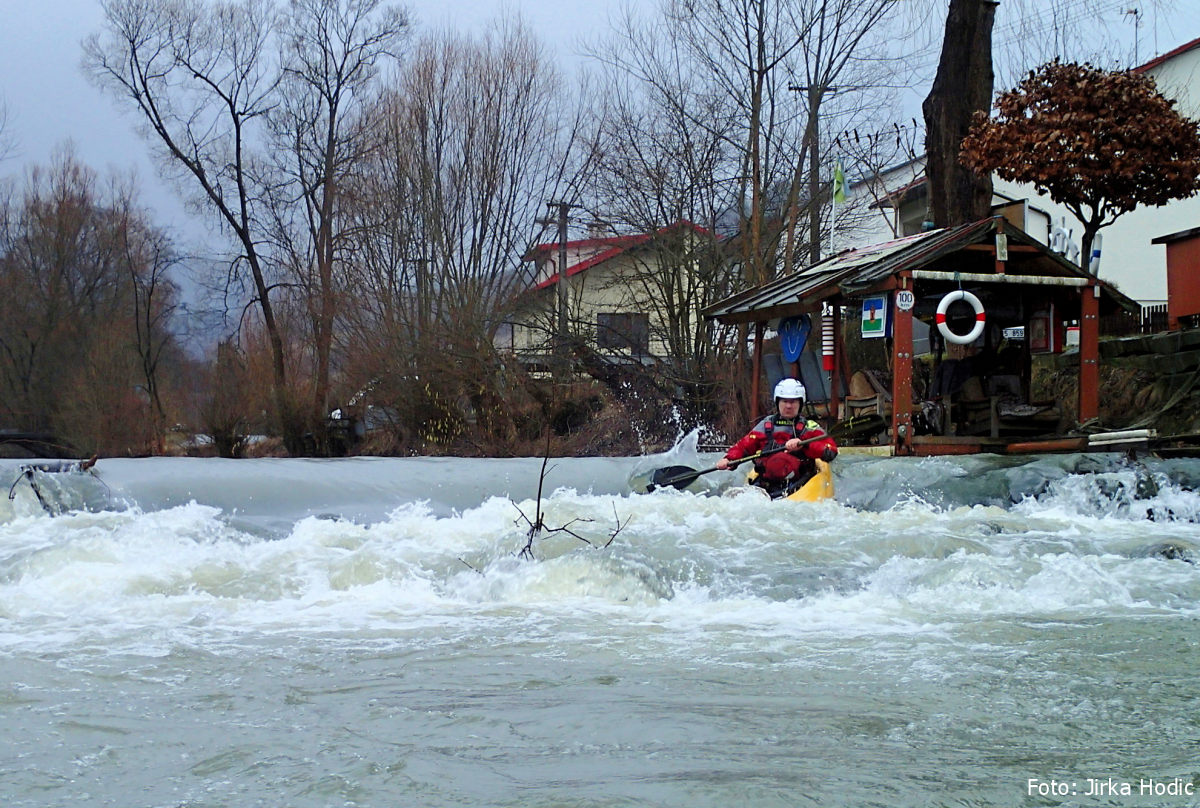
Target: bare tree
202 78
225 403
72 303
748 50
655 169
332 54
149 260
475 137
847 54
701 125
6 141
892 155
59 282
715 77
225 91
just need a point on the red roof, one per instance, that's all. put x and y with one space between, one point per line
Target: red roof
900 193
1158 60
615 246
581 244
598 258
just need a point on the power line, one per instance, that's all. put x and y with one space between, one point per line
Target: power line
1036 26
1083 10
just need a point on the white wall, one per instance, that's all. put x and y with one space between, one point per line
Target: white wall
1128 259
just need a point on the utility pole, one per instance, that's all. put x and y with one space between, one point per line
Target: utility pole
562 333
815 93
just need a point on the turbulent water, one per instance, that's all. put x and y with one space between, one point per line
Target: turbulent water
948 632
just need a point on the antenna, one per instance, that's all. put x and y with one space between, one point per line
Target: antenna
1137 23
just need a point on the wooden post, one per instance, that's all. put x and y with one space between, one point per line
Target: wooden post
755 384
1089 353
902 358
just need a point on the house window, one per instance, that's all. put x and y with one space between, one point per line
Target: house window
629 332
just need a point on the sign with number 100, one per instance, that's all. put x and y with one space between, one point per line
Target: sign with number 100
905 300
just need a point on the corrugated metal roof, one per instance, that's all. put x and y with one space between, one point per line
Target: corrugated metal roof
859 267
865 267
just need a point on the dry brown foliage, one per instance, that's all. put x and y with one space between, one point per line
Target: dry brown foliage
1099 142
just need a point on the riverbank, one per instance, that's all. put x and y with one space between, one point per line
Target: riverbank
1150 382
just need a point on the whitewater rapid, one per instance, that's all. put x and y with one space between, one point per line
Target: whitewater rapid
879 648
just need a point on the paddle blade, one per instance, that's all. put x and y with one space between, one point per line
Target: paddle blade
678 476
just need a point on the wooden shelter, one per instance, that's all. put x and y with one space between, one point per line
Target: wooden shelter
1018 281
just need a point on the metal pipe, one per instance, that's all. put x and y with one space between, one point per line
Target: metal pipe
1059 445
1128 436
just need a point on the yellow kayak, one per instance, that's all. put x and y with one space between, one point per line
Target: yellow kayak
817 488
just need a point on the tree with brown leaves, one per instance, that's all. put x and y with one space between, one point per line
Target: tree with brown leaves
1098 142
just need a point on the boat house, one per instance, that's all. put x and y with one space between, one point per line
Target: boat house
990 296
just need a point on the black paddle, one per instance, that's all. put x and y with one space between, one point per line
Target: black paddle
683 476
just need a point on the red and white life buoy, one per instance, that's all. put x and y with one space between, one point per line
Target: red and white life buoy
980 317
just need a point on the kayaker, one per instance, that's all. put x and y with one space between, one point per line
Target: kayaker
789 469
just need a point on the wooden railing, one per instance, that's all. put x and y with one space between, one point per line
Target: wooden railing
1150 320
1154 318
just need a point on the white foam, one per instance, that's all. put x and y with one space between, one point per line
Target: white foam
679 563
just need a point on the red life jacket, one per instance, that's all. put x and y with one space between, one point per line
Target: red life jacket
784 466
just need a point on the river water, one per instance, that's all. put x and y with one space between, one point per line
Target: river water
977 631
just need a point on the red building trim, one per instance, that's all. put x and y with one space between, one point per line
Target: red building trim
615 245
1166 57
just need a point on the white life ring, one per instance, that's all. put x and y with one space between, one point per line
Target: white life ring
980 317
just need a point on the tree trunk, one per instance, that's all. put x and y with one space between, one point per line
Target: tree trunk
291 422
326 303
1090 230
963 85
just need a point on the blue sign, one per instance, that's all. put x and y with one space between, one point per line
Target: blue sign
875 321
793 334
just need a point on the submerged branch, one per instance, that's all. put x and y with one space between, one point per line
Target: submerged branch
537 527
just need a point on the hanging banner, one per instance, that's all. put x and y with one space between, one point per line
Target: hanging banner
827 341
793 334
875 316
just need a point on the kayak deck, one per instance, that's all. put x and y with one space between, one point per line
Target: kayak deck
816 488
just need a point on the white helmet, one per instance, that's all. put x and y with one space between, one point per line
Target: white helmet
790 388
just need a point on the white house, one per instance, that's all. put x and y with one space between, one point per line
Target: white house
611 297
1128 259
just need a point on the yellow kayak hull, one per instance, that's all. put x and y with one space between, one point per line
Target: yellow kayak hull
818 487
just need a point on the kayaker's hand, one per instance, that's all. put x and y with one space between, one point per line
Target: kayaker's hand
792 445
829 454
723 464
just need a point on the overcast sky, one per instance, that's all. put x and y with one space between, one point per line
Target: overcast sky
49 102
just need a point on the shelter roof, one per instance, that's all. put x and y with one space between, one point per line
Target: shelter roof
866 269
